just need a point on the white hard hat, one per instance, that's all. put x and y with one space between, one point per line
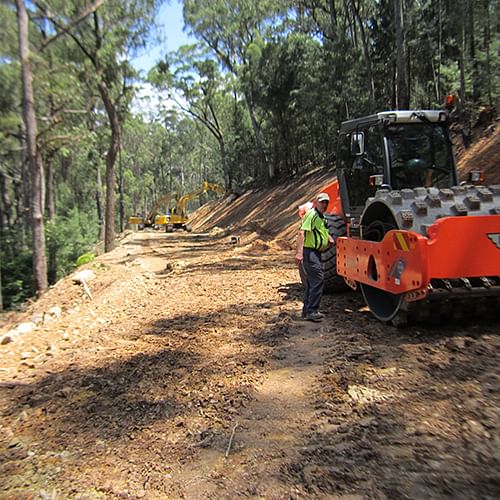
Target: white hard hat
322 197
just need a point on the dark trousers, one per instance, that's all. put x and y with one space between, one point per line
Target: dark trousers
311 274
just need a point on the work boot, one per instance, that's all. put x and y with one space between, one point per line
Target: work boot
299 316
315 316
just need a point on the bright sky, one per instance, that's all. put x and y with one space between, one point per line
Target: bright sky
171 22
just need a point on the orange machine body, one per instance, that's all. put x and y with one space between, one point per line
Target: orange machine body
406 261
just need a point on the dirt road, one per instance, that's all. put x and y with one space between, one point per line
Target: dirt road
186 376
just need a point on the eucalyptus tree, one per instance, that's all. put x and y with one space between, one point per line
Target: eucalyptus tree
143 164
228 28
64 136
9 121
292 92
34 154
447 51
112 30
360 14
200 90
469 32
345 30
402 88
10 136
15 223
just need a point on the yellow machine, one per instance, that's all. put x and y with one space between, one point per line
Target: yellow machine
178 217
152 219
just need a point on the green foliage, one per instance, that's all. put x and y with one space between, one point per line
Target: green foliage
8 34
85 259
450 76
70 237
10 120
16 269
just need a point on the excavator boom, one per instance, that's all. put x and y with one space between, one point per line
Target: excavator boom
152 219
178 217
175 217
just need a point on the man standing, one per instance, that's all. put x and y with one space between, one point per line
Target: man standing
312 239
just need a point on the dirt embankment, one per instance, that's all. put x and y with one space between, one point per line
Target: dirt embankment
185 375
482 151
270 213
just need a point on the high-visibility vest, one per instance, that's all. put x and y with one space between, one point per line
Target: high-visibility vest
315 231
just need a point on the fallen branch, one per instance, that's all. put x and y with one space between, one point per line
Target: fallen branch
85 287
230 441
81 278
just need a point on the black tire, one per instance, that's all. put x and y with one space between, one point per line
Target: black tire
333 282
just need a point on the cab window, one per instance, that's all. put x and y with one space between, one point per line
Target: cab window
361 167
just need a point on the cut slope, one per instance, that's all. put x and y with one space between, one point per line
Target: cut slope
270 212
483 154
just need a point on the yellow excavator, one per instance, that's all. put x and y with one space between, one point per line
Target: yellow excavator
153 219
178 218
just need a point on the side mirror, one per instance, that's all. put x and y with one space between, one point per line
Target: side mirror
357 144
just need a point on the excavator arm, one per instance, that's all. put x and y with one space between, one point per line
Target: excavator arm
164 200
179 217
150 219
214 187
176 218
183 200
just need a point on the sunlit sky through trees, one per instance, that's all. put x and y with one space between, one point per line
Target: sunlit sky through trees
172 33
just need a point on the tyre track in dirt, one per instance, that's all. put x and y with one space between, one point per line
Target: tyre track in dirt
405 414
268 433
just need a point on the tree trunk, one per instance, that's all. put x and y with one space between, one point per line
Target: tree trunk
51 188
51 215
351 25
402 92
366 54
35 159
225 168
6 218
487 28
100 204
258 139
461 65
1 295
472 53
22 192
109 235
121 202
440 43
333 18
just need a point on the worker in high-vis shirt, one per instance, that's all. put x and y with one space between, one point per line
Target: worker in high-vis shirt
313 238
